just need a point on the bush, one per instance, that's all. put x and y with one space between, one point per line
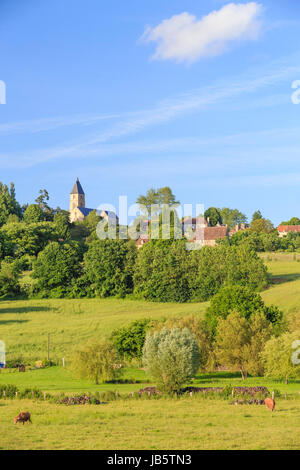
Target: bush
171 358
200 329
277 357
129 341
98 360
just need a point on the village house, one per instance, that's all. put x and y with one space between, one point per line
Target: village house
238 228
202 232
283 230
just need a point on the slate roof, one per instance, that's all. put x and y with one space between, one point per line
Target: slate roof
85 211
77 188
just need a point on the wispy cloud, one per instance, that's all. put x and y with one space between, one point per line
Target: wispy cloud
52 123
136 122
185 38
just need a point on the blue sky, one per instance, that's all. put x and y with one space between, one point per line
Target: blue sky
195 95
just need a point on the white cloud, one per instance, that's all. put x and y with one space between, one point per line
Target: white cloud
184 38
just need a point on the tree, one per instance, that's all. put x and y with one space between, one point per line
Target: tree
212 267
157 197
42 201
98 361
108 266
151 198
240 343
293 221
260 332
277 357
33 214
8 203
199 328
28 239
129 341
262 225
57 266
243 300
257 215
61 223
213 215
165 196
9 278
232 217
161 271
171 358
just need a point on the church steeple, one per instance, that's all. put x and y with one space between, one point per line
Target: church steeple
77 199
77 188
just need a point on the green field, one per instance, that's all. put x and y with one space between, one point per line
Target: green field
186 423
155 424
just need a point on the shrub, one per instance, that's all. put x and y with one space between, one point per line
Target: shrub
98 360
277 357
129 341
171 357
199 328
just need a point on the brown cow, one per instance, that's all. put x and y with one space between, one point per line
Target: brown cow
270 403
22 417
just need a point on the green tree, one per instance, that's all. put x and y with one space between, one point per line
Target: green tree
213 215
98 361
199 328
293 221
108 266
239 299
33 214
277 357
239 343
28 239
160 272
257 215
61 223
171 358
8 203
262 225
9 278
57 266
129 341
232 217
157 197
42 201
212 267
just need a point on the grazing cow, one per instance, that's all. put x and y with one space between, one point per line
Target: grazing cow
270 403
22 417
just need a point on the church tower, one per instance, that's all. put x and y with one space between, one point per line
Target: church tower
77 199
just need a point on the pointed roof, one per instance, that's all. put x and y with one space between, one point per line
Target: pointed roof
77 188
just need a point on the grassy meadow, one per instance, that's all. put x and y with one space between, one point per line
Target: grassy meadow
189 423
185 423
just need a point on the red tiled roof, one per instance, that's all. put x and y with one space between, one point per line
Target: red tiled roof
288 228
213 233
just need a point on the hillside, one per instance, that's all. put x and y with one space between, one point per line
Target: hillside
25 324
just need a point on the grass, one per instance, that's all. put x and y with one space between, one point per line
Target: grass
25 324
59 380
187 423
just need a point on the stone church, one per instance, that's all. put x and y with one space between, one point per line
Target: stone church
78 211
